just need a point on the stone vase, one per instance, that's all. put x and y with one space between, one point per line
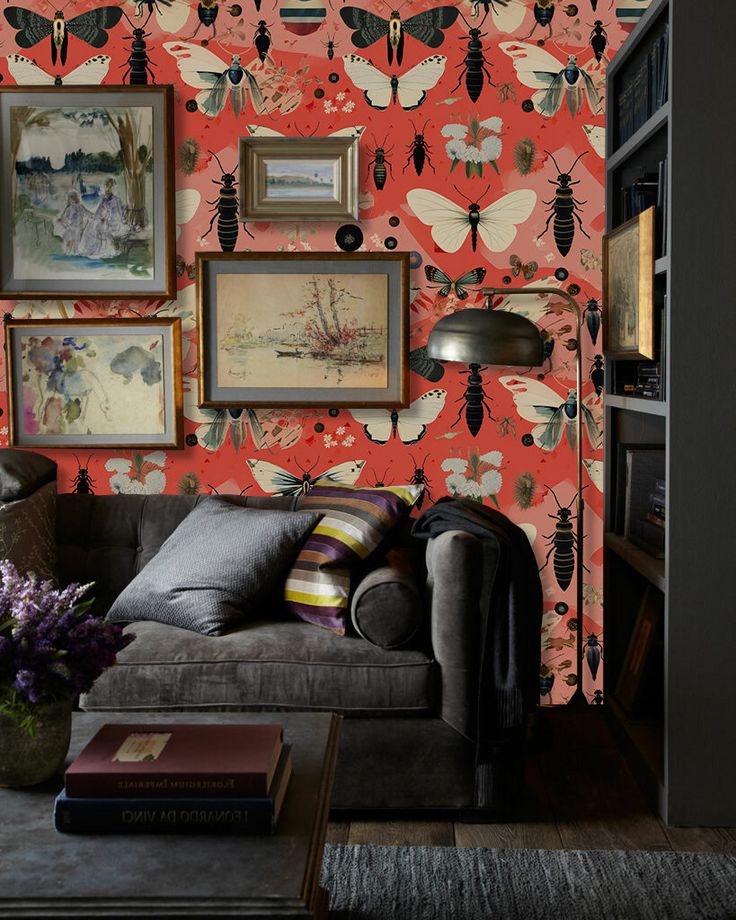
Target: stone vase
26 760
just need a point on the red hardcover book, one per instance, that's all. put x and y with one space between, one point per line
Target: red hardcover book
154 761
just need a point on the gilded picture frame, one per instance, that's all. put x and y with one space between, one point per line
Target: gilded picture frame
87 179
298 178
303 329
628 288
94 383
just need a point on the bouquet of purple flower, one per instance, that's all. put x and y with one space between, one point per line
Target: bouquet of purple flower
51 646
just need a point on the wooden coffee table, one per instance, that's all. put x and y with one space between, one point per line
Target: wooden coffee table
47 874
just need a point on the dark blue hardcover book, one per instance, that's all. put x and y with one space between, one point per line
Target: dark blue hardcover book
121 815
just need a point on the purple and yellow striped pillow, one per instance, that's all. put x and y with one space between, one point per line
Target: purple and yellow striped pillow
354 523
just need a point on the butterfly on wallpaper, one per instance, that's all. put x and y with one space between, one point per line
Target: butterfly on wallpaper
556 82
277 481
187 202
595 471
554 417
590 261
90 27
142 475
171 15
527 269
204 70
27 73
451 223
473 277
425 27
597 137
507 15
409 90
380 425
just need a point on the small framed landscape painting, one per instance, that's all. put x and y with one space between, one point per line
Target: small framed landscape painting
299 178
628 288
303 329
94 383
86 192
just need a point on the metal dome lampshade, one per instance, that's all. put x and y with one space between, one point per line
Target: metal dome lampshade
486 337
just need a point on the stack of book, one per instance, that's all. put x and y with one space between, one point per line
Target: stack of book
645 90
643 193
177 778
656 514
648 381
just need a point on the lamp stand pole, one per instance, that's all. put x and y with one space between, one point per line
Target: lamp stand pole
577 699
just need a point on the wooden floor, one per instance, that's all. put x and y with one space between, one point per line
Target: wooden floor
580 795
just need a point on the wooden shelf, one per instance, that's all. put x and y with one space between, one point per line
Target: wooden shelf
637 140
646 565
662 265
645 741
636 404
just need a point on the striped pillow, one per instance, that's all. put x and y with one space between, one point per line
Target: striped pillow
354 523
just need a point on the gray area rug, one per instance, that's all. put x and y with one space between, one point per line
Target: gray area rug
434 883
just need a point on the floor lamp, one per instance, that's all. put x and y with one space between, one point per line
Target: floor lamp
488 336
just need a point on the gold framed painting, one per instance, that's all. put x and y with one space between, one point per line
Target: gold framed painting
94 383
628 288
87 186
299 178
303 329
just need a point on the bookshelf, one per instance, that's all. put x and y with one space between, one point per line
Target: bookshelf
681 734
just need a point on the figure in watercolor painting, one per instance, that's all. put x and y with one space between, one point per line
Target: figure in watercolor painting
71 223
107 228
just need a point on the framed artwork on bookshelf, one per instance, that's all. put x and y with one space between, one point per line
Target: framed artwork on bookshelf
633 669
303 329
299 178
94 383
628 288
87 192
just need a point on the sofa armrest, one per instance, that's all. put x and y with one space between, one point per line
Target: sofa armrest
454 581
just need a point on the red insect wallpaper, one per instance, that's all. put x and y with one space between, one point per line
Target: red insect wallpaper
481 128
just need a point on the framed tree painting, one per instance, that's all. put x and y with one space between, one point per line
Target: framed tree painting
303 329
628 288
86 183
94 383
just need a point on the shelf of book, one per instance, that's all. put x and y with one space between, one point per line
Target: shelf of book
637 140
645 564
635 404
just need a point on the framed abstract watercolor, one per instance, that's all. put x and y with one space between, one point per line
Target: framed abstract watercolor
628 288
94 383
86 180
303 329
299 178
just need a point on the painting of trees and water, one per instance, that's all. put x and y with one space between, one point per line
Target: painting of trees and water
302 330
82 192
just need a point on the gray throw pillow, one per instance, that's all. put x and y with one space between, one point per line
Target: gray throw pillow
215 568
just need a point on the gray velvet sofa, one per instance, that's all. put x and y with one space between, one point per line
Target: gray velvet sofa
409 712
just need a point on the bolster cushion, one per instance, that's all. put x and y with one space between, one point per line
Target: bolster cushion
386 608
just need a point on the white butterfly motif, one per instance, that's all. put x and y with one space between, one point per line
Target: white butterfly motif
187 202
264 131
171 15
206 71
595 471
555 80
409 90
555 416
450 222
27 72
380 425
597 137
144 475
277 481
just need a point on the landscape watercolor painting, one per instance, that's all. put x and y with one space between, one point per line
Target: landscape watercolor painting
334 331
81 193
307 179
92 385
